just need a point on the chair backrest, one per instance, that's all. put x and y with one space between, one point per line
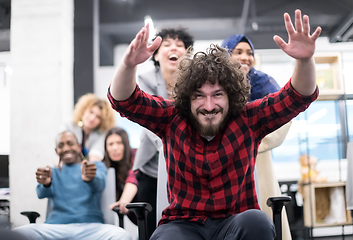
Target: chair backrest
109 197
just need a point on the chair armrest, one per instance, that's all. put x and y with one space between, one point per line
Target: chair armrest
276 203
141 209
139 206
120 215
32 216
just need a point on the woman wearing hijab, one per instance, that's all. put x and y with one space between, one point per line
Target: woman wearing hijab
242 50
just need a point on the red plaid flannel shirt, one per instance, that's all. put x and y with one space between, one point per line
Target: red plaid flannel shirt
211 178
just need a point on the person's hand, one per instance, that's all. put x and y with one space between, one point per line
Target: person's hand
121 204
88 170
43 175
138 50
301 45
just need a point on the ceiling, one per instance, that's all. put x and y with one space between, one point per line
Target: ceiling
120 20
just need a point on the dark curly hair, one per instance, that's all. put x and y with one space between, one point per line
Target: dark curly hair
211 66
174 33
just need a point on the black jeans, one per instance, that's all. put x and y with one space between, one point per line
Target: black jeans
147 192
249 225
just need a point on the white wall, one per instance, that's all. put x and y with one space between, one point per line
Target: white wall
5 86
41 94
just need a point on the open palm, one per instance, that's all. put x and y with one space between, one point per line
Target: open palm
301 45
138 50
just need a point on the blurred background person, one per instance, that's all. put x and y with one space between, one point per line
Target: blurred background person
119 155
92 118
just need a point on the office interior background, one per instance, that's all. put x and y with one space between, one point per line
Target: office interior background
54 51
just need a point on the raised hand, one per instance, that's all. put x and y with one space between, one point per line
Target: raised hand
301 45
124 81
138 50
43 175
88 170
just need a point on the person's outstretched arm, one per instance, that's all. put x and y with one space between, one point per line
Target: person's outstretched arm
129 192
44 178
124 81
301 47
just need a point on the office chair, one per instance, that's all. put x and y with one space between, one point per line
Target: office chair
277 204
108 197
141 209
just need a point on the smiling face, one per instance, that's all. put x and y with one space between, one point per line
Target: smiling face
92 118
68 148
169 52
209 107
115 147
244 54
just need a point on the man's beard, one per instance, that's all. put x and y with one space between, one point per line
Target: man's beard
209 129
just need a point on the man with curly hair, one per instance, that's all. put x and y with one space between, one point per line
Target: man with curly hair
211 134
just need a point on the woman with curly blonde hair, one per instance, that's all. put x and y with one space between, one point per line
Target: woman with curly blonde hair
92 118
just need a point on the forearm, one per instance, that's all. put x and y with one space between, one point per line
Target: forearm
304 76
129 192
124 82
44 192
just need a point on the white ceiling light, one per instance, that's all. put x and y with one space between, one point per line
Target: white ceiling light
152 32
